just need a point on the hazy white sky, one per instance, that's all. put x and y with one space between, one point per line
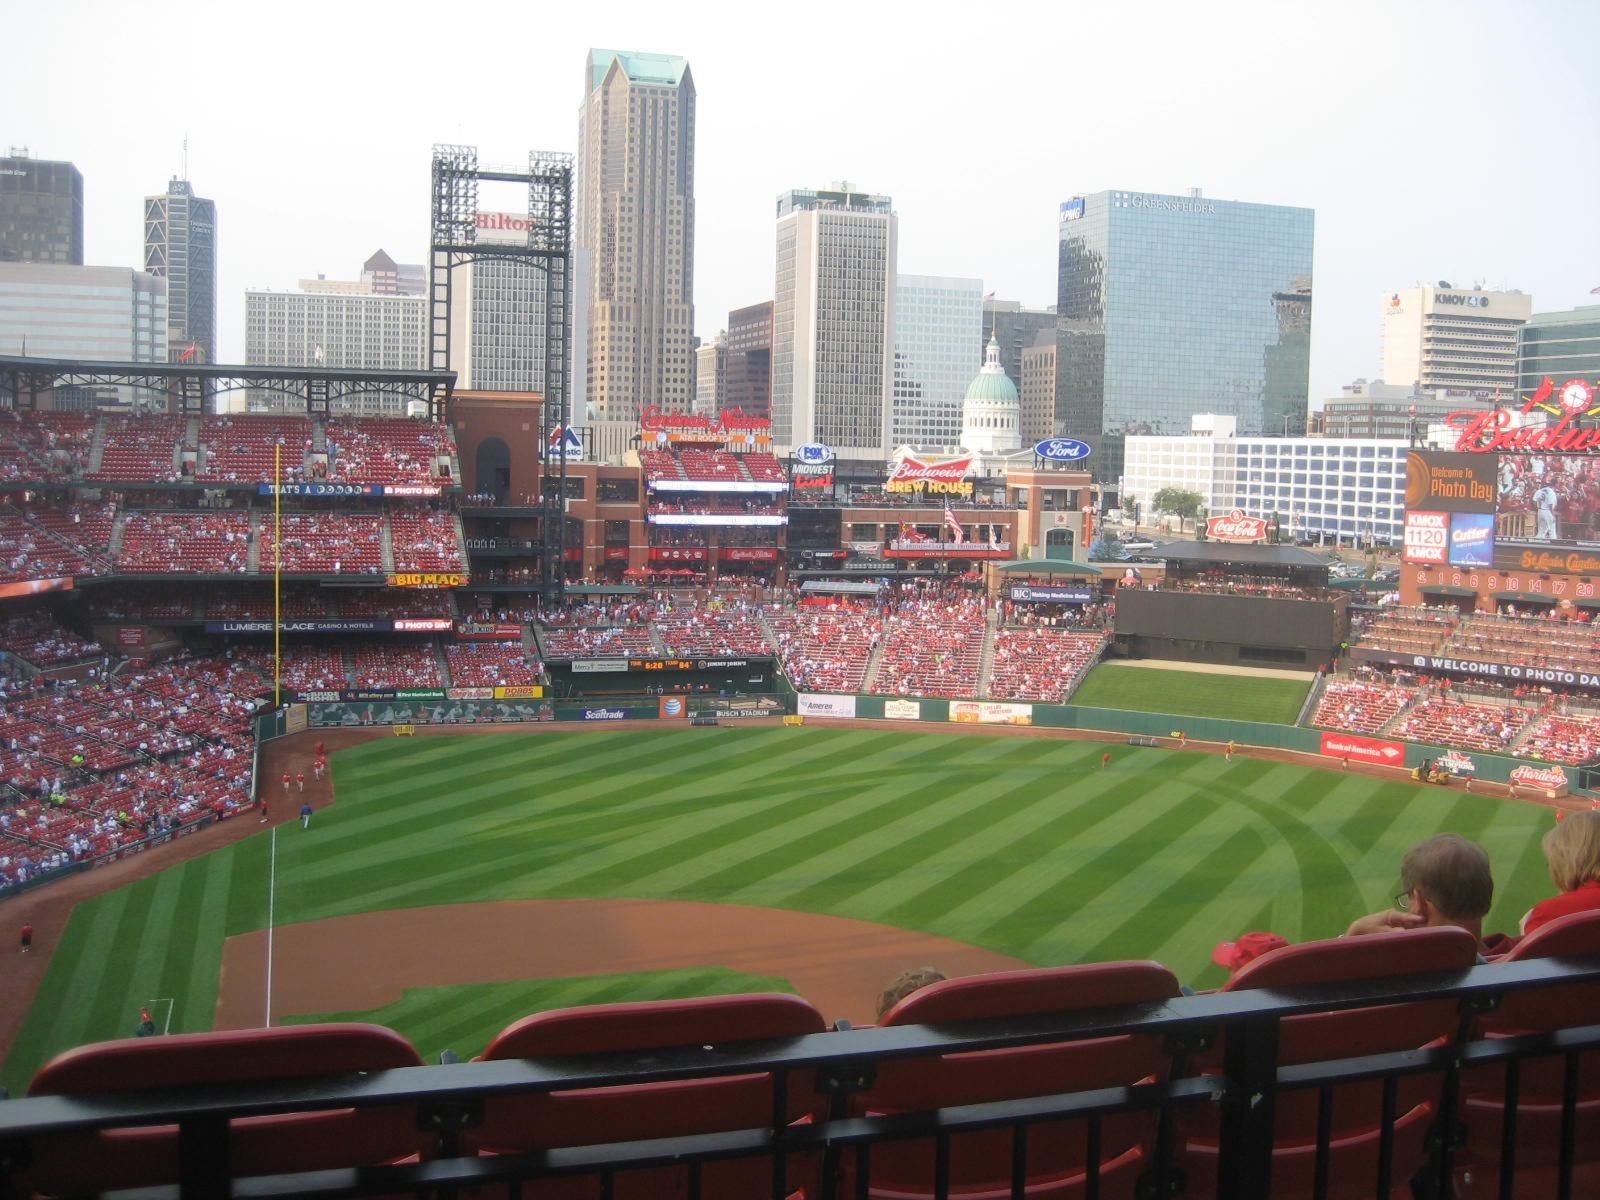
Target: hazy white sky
1455 141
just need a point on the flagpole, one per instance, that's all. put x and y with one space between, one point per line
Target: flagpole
277 575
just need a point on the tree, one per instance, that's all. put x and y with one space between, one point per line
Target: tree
1107 547
1178 502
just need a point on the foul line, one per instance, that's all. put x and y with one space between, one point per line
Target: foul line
272 889
171 1003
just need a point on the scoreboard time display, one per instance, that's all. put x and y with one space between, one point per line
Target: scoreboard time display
661 664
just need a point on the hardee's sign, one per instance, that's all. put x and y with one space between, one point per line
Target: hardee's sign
943 478
732 425
1551 779
1236 527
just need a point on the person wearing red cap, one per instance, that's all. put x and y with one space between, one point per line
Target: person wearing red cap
1246 949
147 1024
27 938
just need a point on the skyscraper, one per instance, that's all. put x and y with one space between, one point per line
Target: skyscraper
180 246
634 232
1560 345
1016 329
1459 339
938 335
748 370
1170 306
97 314
497 336
41 211
833 322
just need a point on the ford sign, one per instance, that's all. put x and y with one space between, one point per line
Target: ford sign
813 454
1061 449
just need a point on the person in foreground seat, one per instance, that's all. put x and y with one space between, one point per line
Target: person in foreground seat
1572 849
1445 880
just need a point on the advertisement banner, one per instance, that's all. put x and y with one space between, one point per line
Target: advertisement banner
748 554
1548 779
671 708
931 476
32 587
319 625
1456 763
428 579
130 635
489 631
983 712
316 488
519 692
469 693
423 624
812 705
1440 481
1037 594
598 666
903 710
737 707
1427 537
605 712
345 715
294 719
1471 539
1438 664
1363 749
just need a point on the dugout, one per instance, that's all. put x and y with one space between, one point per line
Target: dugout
1249 604
662 676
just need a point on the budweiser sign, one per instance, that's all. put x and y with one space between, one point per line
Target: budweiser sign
1549 778
947 477
1236 527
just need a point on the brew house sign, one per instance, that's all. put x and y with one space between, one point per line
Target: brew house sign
1236 527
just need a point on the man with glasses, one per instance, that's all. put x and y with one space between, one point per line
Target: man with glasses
1443 881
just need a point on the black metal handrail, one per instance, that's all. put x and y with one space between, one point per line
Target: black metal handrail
449 1099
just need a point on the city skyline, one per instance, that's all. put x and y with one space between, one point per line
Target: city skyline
1161 119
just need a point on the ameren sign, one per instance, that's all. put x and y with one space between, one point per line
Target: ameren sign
918 477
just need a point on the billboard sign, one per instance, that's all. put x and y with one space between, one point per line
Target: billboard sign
983 712
931 476
1061 449
1471 539
1072 210
1363 749
1055 594
1236 527
1427 537
812 705
813 454
902 710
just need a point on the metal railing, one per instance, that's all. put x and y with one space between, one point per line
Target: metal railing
448 1101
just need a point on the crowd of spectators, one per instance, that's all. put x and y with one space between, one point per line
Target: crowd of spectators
327 544
40 642
425 540
1360 706
1041 664
826 648
390 450
46 446
253 449
491 664
142 448
199 543
1446 722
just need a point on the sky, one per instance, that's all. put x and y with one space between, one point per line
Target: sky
1456 141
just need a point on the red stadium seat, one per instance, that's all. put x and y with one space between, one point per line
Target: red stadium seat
1540 1082
980 1163
1356 1133
75 1163
652 1110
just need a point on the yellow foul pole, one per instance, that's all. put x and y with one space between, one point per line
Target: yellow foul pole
277 575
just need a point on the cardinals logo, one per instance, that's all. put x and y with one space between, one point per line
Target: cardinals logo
1576 398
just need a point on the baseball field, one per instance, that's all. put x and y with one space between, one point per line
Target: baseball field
457 882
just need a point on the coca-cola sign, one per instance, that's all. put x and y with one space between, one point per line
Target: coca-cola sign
1236 527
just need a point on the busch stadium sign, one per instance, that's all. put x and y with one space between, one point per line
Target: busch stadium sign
943 477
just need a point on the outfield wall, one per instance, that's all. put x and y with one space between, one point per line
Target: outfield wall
914 711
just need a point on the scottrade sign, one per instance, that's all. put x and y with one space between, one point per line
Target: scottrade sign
1061 449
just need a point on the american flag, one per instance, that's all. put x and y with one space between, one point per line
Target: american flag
955 525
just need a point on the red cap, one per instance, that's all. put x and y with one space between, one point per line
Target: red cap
1248 948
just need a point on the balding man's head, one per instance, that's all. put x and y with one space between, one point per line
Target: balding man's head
1453 876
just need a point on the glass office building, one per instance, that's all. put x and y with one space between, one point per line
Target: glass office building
1560 346
1170 306
938 337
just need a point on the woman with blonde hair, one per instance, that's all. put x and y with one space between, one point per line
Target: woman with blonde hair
1572 849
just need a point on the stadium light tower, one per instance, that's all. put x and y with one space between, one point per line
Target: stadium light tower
547 247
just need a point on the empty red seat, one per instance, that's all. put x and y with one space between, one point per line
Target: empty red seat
676 1108
75 1163
980 1163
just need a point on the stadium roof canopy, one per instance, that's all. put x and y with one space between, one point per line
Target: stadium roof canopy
1253 554
1052 566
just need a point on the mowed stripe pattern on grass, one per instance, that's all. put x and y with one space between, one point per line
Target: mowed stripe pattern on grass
1021 845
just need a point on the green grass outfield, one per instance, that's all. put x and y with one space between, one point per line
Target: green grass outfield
1020 844
1193 693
